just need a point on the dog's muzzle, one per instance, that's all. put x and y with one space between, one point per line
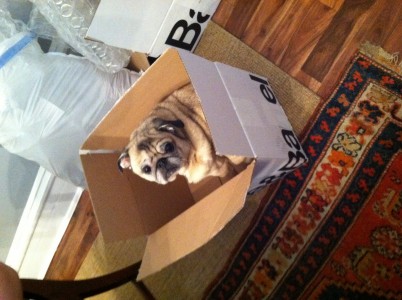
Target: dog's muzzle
167 166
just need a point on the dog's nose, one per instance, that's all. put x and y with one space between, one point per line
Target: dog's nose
162 163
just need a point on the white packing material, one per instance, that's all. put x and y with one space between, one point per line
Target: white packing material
50 102
71 20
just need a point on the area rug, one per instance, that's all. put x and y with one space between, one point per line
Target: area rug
190 277
333 229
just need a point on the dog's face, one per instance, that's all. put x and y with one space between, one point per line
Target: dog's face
158 151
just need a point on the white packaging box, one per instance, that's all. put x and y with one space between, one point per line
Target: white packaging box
151 27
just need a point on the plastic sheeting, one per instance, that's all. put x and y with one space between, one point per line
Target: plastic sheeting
50 102
71 19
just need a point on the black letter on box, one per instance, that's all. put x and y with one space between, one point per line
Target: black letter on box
254 190
200 18
186 29
290 139
266 90
196 28
295 161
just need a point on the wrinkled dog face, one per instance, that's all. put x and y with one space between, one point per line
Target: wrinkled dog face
158 151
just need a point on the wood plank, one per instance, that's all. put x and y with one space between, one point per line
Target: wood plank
306 35
365 31
393 43
386 21
77 240
264 22
223 12
334 4
332 40
240 16
278 42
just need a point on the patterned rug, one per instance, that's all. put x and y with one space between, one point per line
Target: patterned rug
333 229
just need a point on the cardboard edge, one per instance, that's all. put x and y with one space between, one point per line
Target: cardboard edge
97 138
174 241
129 224
139 62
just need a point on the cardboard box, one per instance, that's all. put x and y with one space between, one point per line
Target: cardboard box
151 26
244 118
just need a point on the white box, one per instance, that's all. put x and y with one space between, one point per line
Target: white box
245 119
151 26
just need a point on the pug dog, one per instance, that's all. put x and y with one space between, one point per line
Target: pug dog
175 140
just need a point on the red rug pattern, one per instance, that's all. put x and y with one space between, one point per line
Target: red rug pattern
333 228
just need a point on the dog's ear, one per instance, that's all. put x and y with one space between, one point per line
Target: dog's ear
124 161
175 127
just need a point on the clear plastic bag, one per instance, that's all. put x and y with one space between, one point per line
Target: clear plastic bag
71 19
8 25
50 39
50 102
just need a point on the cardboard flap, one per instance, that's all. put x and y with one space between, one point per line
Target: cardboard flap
227 133
115 209
193 229
115 129
135 30
157 204
124 206
258 110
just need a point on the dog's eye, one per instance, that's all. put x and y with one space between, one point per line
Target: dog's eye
168 147
146 169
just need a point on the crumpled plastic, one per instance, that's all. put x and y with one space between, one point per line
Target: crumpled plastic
71 19
50 102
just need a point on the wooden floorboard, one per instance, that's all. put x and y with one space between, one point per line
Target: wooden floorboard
241 14
312 40
333 38
76 242
303 39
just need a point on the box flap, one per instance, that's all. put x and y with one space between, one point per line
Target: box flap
111 197
135 24
113 132
261 119
193 229
265 123
227 133
163 204
123 205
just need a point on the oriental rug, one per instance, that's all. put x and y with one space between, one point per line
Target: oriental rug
333 228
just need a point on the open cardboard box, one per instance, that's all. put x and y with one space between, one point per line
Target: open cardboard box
151 27
244 118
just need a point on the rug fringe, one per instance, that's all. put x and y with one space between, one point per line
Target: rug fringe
390 60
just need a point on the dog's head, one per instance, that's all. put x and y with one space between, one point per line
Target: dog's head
158 150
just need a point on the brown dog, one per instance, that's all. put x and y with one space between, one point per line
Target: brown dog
175 140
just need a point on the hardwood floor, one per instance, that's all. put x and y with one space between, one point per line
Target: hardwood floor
311 40
76 242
